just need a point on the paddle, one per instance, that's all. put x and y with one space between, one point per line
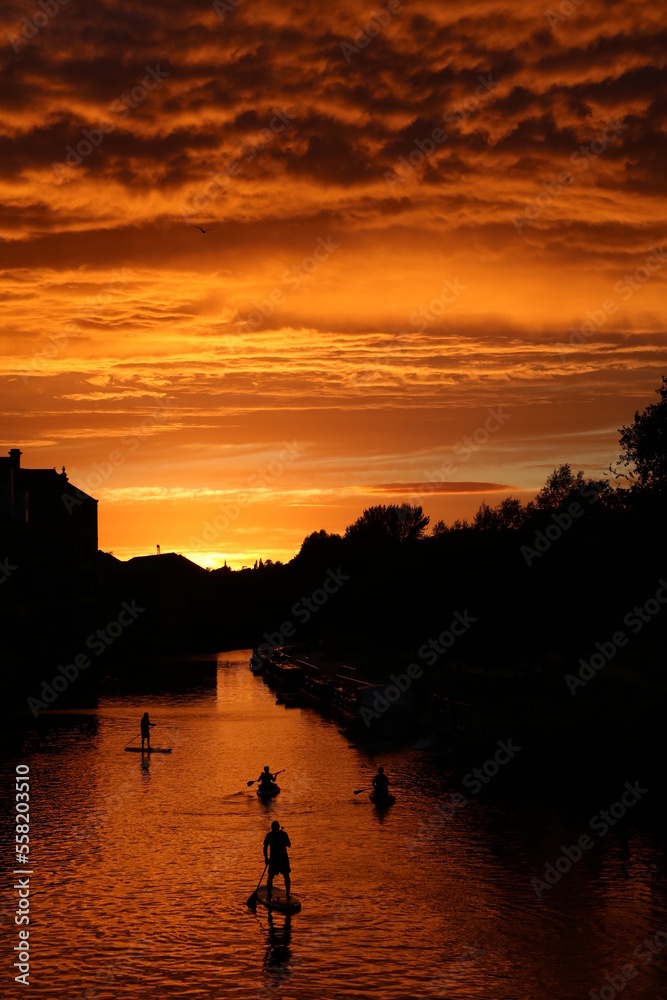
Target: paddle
249 783
252 900
360 790
132 740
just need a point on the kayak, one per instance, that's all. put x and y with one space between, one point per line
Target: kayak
150 750
278 901
382 800
268 793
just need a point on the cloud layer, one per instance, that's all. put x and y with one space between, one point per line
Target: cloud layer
415 217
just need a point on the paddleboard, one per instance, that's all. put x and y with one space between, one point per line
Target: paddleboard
278 900
269 793
152 750
382 800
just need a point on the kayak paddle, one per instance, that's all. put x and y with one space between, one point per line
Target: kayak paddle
249 783
360 790
252 900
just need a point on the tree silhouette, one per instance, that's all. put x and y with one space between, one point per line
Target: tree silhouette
507 515
561 487
511 513
645 442
393 523
319 546
485 518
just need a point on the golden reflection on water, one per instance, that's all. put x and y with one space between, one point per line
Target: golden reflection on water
143 867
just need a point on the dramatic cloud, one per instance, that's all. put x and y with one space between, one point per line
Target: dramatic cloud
417 216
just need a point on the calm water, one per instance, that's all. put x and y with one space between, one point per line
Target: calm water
142 870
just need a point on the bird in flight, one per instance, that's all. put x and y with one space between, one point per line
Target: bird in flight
202 230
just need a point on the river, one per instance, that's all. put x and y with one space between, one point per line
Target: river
141 868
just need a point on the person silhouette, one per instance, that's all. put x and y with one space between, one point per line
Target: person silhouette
266 779
276 843
381 784
146 726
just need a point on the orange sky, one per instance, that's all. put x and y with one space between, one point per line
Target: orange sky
378 274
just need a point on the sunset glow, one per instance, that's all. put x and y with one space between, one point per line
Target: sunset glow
435 267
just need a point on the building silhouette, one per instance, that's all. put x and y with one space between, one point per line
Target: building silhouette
48 550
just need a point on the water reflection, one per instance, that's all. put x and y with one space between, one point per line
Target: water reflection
277 957
278 940
431 898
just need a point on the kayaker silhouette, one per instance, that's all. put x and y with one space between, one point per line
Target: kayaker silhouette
276 843
146 726
381 783
266 779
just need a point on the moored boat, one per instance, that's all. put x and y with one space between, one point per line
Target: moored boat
256 662
284 676
318 690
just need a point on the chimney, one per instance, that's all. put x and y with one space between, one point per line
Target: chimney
15 458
